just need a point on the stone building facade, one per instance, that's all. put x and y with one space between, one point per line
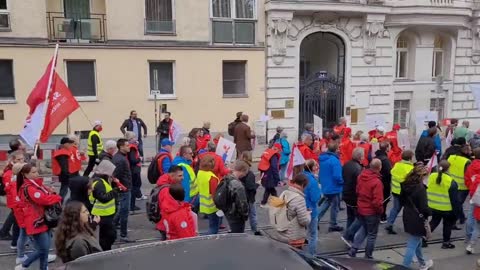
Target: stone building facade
383 61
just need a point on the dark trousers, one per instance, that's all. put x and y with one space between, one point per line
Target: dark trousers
107 233
8 224
140 147
449 220
236 225
136 185
370 225
63 189
91 164
351 215
267 193
462 196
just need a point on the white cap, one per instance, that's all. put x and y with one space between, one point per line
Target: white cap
97 123
381 128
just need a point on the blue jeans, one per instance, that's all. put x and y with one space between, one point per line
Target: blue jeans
252 216
370 229
312 235
42 246
414 247
397 207
122 212
213 223
471 230
462 196
21 242
331 201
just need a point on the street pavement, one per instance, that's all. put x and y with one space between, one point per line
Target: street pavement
390 247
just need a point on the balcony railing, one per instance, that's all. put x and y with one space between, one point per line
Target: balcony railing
76 28
160 27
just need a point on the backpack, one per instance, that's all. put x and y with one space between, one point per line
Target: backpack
153 209
231 128
154 170
277 211
221 198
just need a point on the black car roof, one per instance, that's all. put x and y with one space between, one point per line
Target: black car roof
232 252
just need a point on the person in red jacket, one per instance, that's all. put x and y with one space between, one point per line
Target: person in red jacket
367 149
202 140
77 156
35 197
395 153
9 182
305 147
346 146
220 170
340 128
472 180
174 176
63 165
177 215
370 207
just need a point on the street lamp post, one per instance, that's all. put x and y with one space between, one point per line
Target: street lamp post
155 94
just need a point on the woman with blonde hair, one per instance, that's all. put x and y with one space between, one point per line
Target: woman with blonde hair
207 185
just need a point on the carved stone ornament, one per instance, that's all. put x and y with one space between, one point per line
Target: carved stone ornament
373 30
476 44
324 21
278 27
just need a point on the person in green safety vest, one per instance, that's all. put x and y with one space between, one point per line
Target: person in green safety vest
103 199
458 166
399 174
94 146
442 199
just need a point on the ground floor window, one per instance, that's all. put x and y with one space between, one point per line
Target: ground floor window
401 111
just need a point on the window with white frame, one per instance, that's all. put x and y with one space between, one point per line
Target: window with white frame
233 21
159 16
81 78
234 78
402 58
437 63
7 89
401 110
438 105
4 16
161 78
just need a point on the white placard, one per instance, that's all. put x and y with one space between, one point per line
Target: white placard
225 148
318 126
403 140
374 120
421 120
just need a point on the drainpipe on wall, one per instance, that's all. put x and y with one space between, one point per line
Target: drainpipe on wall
266 77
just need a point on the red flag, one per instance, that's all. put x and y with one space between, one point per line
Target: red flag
61 104
39 92
432 163
296 158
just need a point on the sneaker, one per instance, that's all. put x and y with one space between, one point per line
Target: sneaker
348 243
136 208
144 197
6 237
352 253
20 267
335 229
428 264
20 260
448 246
51 258
125 239
383 221
222 227
263 205
257 233
13 247
390 230
469 249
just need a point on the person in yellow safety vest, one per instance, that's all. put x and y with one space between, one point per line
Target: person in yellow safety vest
94 147
399 174
442 199
207 185
102 198
189 181
458 165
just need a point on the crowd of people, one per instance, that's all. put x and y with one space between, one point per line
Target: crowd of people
365 171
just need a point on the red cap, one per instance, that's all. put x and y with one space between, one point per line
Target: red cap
396 127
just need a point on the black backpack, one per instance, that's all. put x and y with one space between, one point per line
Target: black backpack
221 198
154 170
153 209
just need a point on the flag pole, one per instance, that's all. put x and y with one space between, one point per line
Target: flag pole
47 94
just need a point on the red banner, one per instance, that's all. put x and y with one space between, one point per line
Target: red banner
61 103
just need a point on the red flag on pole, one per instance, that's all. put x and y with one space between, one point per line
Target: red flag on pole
61 104
296 158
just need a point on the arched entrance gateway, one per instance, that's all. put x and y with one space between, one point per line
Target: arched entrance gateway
322 78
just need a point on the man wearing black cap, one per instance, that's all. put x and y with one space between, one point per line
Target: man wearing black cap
62 164
436 138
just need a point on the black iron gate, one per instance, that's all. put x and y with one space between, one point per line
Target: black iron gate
321 95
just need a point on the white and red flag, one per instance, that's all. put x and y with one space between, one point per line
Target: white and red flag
175 131
296 158
50 102
432 163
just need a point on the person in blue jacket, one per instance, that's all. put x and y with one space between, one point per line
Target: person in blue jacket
312 193
436 138
166 148
285 155
184 160
331 180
